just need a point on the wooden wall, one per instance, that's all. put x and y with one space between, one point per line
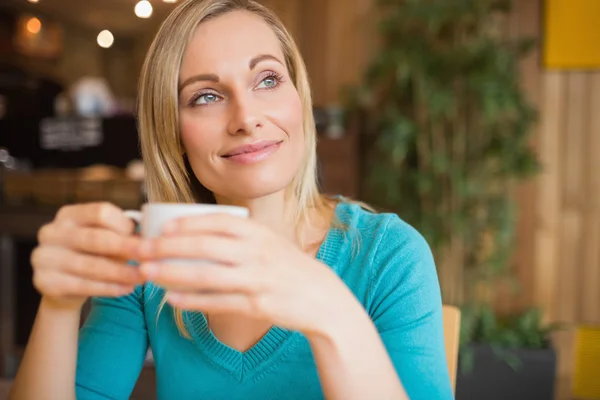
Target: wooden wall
567 232
336 40
558 254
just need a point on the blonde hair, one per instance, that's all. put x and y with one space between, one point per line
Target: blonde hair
169 176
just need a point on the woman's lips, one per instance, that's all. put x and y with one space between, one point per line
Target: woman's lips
253 153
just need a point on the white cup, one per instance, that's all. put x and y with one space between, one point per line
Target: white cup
154 216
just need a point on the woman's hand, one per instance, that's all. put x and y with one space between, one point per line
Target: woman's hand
253 272
83 253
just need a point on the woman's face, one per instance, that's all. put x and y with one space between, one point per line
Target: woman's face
240 114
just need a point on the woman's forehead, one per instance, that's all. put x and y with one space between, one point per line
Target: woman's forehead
233 38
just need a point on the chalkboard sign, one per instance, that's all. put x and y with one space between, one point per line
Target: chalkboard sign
70 134
71 143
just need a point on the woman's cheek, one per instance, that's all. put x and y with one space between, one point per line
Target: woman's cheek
286 113
293 109
195 132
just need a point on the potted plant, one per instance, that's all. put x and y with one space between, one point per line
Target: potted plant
446 127
447 130
505 358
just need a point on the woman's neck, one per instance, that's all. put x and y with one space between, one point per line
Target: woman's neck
278 212
274 211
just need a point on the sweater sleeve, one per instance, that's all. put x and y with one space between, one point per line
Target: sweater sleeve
112 347
406 308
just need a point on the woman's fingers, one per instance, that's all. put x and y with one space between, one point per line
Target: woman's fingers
203 277
85 266
56 283
103 215
91 240
82 253
218 249
233 303
216 224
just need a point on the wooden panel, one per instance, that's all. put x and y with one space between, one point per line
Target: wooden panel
574 140
573 194
590 282
338 165
525 21
288 12
313 46
548 206
547 239
336 41
350 46
571 218
335 61
566 255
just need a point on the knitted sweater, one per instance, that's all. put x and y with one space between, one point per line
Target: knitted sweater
385 262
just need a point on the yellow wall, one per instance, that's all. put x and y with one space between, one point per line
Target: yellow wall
572 37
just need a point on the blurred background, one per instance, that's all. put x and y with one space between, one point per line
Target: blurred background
475 120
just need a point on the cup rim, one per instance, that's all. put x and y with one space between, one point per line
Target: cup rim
193 205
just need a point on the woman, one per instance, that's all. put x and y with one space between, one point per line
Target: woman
312 297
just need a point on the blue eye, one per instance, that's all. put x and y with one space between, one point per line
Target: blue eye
268 83
206 98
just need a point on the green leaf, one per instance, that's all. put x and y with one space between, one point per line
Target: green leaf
446 75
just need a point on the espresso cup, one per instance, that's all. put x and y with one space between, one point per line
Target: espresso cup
153 217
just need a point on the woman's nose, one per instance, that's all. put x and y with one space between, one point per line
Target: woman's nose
245 117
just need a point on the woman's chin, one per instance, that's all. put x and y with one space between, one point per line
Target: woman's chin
253 188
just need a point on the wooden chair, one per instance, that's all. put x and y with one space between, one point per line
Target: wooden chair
451 317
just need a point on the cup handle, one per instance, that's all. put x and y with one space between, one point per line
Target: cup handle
134 215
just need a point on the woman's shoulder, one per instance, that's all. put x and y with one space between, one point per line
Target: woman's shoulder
391 245
393 255
385 228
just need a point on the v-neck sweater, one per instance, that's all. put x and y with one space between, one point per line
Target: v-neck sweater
385 262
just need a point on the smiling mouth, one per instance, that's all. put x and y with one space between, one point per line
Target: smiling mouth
253 153
252 148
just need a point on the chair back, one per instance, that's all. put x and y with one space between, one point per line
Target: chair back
451 317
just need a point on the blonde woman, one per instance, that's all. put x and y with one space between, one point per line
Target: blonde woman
311 297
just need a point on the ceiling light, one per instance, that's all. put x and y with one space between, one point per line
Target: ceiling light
143 9
170 1
33 1
34 26
105 39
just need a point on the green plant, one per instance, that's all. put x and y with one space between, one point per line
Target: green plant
524 330
449 132
480 324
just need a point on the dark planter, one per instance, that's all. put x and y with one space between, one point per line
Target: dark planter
493 379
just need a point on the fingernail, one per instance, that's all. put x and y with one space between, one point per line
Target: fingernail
150 270
170 227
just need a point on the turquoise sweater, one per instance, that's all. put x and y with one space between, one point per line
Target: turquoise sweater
387 265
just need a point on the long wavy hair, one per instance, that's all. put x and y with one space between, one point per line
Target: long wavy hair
169 177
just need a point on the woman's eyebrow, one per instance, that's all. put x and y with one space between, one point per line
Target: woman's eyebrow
262 57
214 78
198 78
